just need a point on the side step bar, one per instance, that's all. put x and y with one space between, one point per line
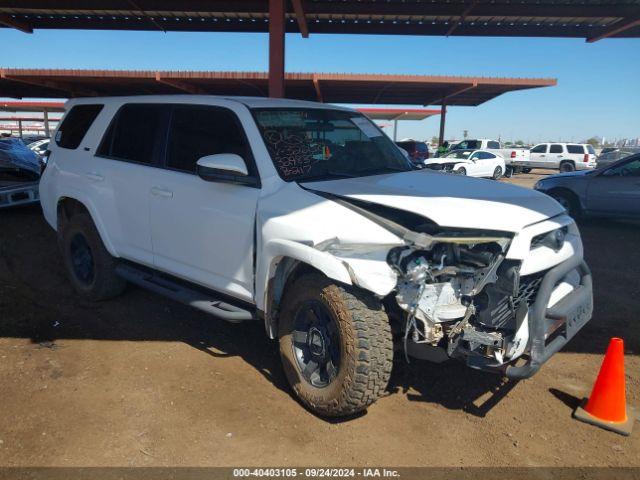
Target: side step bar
207 302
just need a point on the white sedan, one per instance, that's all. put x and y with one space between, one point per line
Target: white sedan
474 163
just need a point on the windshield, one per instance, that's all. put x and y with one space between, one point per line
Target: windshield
467 145
319 144
461 154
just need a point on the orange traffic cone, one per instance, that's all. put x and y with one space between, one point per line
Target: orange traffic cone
607 405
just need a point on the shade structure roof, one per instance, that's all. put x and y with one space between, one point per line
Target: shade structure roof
399 113
590 19
31 106
327 87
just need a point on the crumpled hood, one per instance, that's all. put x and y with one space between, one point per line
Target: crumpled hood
449 200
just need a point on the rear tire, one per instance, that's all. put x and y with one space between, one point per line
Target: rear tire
567 167
526 170
497 173
90 267
335 344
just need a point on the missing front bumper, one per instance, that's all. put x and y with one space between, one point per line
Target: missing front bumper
550 328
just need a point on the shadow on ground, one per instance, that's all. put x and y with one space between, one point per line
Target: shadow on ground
37 302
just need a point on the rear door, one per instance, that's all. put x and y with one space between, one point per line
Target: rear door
616 191
555 155
204 231
121 172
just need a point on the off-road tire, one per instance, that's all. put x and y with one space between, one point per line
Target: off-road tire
567 167
366 346
497 173
105 283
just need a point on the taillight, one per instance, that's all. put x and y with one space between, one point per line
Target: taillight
513 154
586 158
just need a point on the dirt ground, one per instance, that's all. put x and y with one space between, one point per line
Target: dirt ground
141 381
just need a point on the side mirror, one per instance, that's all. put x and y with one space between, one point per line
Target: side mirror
224 167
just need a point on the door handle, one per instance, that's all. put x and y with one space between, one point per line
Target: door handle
161 192
543 155
94 177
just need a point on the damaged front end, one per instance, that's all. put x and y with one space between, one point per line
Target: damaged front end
459 294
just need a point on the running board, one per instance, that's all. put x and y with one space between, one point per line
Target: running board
207 302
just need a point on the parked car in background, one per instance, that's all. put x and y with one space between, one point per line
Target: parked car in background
565 157
511 156
40 147
19 173
473 163
418 151
611 155
612 191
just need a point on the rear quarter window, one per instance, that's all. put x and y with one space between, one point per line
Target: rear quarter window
76 124
575 149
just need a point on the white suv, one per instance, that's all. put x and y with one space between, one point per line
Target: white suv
565 157
307 217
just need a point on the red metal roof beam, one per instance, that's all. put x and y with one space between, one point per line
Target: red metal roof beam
9 21
180 85
463 16
618 27
301 18
453 94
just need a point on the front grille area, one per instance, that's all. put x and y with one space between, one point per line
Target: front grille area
504 311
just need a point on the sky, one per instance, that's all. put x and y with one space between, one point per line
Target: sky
597 92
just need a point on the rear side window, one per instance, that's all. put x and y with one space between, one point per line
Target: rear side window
591 150
494 145
421 147
76 124
555 149
135 132
196 132
408 146
575 149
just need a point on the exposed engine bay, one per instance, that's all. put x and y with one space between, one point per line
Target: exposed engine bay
460 294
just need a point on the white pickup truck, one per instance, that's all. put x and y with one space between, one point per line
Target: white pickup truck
515 158
308 218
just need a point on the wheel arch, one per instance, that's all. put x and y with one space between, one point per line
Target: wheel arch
69 205
568 193
285 260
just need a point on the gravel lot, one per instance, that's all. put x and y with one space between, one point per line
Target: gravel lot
141 380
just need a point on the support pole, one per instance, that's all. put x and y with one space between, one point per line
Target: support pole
47 132
395 130
443 120
20 128
276 48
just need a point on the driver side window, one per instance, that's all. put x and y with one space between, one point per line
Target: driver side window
628 169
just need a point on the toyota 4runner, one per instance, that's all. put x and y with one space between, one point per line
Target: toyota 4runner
308 218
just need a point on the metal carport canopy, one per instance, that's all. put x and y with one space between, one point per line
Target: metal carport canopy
589 19
325 87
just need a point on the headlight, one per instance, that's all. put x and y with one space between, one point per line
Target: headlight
539 185
553 239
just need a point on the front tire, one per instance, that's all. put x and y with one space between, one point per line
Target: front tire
461 171
335 344
90 267
569 201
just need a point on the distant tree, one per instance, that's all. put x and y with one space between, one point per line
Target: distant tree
434 139
465 134
593 141
519 142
